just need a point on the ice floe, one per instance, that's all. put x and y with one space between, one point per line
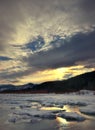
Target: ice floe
71 116
35 107
89 110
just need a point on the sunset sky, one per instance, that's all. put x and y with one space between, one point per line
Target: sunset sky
45 40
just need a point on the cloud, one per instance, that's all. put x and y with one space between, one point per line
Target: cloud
21 20
9 15
43 34
88 6
16 73
87 9
4 58
78 48
68 75
35 45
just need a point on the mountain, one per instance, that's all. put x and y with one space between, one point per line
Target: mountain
6 87
84 81
81 82
11 88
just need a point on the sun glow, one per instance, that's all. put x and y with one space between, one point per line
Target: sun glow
46 75
52 74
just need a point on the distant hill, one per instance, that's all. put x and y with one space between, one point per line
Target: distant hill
16 89
84 81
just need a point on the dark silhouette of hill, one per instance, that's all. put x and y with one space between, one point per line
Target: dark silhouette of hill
84 81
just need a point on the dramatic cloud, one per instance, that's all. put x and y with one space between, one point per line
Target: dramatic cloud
44 35
21 20
80 47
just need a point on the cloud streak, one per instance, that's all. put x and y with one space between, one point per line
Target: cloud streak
4 58
80 47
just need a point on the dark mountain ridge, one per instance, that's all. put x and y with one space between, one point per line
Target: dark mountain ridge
84 81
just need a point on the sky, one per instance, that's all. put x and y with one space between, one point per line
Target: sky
46 40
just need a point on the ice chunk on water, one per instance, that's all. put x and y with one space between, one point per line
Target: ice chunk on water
12 119
22 117
28 106
89 110
36 113
71 116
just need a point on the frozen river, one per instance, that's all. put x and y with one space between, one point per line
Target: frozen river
47 112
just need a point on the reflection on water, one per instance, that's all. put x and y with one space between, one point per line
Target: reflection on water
63 123
66 108
69 108
23 108
51 108
76 109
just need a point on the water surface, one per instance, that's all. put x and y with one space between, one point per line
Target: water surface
46 112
